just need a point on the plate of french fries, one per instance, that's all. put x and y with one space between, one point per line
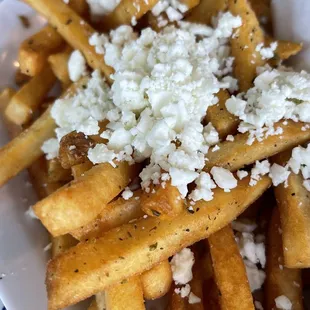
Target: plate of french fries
154 156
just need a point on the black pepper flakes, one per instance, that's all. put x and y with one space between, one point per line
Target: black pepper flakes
156 213
153 247
76 270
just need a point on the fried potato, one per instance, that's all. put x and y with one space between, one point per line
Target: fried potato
224 122
235 155
74 148
280 280
125 296
27 100
56 173
163 202
229 271
127 12
62 243
73 29
33 52
293 202
59 66
81 200
156 282
116 213
80 169
134 248
244 42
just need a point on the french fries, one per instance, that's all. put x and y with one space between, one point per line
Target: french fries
280 280
229 271
127 12
62 243
59 65
293 202
29 97
235 155
79 169
163 202
66 210
156 282
134 248
56 173
73 29
126 295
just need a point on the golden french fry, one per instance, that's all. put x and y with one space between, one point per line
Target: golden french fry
234 155
73 29
156 282
62 243
34 51
78 170
56 173
224 122
134 248
163 202
127 12
29 97
280 280
293 202
117 213
81 200
244 42
126 295
25 149
59 66
232 282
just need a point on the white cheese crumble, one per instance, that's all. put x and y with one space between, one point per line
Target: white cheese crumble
183 291
283 303
127 193
277 94
76 66
260 169
230 138
193 299
241 174
258 305
267 52
181 266
102 7
31 213
223 178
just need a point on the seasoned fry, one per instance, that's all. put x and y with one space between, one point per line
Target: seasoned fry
234 155
74 148
285 50
126 12
56 173
280 280
293 202
224 122
59 66
66 209
62 243
156 282
78 170
125 296
73 29
117 213
34 50
163 202
141 245
29 97
232 282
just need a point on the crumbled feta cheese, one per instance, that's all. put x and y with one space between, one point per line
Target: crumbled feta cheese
66 1
283 303
230 138
260 169
256 276
243 225
76 66
267 52
277 94
241 174
193 299
204 186
223 178
258 305
102 7
127 193
183 291
215 148
278 174
181 266
31 213
50 148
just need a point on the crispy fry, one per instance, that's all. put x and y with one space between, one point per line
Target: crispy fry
244 42
78 170
29 97
280 280
156 282
234 155
125 296
117 213
141 245
293 202
163 202
73 29
74 148
126 12
263 12
81 200
62 243
56 173
232 282
224 122
59 66
21 78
